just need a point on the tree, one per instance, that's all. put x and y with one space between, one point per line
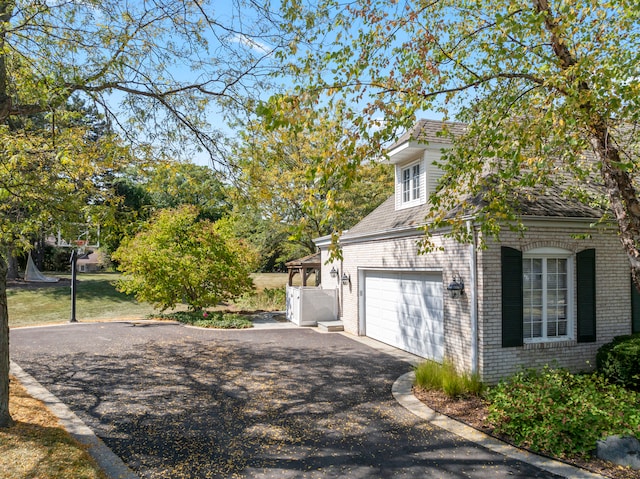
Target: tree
171 184
46 178
146 188
180 259
129 60
549 89
296 170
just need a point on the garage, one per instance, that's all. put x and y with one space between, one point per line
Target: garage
405 309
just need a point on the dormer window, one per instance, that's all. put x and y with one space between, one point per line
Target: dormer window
411 183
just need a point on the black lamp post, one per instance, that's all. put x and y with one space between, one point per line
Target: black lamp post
73 260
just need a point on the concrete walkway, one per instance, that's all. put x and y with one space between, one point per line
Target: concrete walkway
268 402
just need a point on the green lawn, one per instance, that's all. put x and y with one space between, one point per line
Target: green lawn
97 299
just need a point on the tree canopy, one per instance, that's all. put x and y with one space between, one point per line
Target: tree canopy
298 172
154 68
549 89
155 71
178 258
143 189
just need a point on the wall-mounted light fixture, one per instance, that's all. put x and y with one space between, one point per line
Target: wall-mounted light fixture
333 273
456 287
346 279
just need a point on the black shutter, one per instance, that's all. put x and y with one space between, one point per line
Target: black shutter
586 286
511 297
635 309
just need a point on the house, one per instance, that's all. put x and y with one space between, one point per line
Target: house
90 262
546 297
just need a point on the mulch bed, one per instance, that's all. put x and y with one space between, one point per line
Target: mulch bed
473 411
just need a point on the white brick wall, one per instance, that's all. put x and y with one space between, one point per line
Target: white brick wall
613 303
613 299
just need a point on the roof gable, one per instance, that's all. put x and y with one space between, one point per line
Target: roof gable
388 219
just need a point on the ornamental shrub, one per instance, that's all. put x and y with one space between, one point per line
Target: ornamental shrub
180 259
619 361
555 412
444 377
208 319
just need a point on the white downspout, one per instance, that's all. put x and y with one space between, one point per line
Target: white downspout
473 262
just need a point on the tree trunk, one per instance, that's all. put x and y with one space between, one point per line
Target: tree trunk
12 265
623 197
39 253
5 416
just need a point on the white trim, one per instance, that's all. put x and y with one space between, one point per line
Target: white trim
414 183
473 287
547 251
556 253
403 152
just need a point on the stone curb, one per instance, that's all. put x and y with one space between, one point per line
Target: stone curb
402 392
109 462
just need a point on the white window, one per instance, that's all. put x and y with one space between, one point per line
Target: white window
406 185
415 182
411 184
547 295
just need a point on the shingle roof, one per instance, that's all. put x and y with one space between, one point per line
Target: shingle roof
530 202
386 218
312 260
426 131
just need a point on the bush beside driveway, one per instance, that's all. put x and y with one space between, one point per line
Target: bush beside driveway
177 402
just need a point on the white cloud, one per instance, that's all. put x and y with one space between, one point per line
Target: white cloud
251 43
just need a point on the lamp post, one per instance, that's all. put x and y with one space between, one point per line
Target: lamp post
73 260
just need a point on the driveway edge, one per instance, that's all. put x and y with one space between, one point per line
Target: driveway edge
108 461
402 392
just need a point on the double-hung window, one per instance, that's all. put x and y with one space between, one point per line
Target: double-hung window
545 291
411 190
548 294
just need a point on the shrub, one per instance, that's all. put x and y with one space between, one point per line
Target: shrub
209 319
619 361
444 377
558 413
180 259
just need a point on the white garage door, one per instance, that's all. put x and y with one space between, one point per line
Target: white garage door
404 309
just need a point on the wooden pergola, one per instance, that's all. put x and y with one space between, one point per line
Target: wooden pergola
305 267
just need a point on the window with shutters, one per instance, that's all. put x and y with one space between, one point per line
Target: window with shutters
547 294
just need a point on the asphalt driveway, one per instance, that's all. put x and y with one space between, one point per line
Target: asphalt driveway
177 402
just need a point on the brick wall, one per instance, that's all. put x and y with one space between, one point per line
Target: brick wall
613 298
613 303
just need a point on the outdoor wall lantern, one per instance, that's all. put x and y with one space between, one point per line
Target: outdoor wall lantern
346 279
456 287
333 273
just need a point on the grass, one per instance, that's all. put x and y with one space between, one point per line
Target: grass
97 299
38 447
444 377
